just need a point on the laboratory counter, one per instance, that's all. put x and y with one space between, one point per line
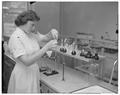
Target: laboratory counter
72 81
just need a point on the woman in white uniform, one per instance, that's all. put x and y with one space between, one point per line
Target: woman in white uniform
24 48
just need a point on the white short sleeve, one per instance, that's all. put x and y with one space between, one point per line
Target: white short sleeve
17 47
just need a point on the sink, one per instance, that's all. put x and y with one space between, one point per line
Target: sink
94 90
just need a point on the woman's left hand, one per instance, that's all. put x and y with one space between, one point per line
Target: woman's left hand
54 33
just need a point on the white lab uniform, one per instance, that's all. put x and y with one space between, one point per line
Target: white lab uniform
24 79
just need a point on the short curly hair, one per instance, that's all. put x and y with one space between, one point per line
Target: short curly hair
26 16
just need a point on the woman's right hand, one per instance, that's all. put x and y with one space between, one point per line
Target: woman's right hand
51 44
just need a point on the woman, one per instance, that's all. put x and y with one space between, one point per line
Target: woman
25 49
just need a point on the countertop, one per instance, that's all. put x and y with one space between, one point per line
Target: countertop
74 80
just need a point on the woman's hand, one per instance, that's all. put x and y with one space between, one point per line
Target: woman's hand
30 59
54 33
51 44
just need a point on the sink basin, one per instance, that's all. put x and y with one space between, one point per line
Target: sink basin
94 90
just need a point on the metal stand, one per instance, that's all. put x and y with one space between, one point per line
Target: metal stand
63 78
63 43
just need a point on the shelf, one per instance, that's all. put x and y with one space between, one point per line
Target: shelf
111 44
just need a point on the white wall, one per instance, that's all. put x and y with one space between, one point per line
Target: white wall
72 17
90 17
49 15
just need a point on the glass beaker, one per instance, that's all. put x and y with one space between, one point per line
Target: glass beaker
93 69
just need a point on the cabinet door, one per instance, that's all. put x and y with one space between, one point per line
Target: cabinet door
45 89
